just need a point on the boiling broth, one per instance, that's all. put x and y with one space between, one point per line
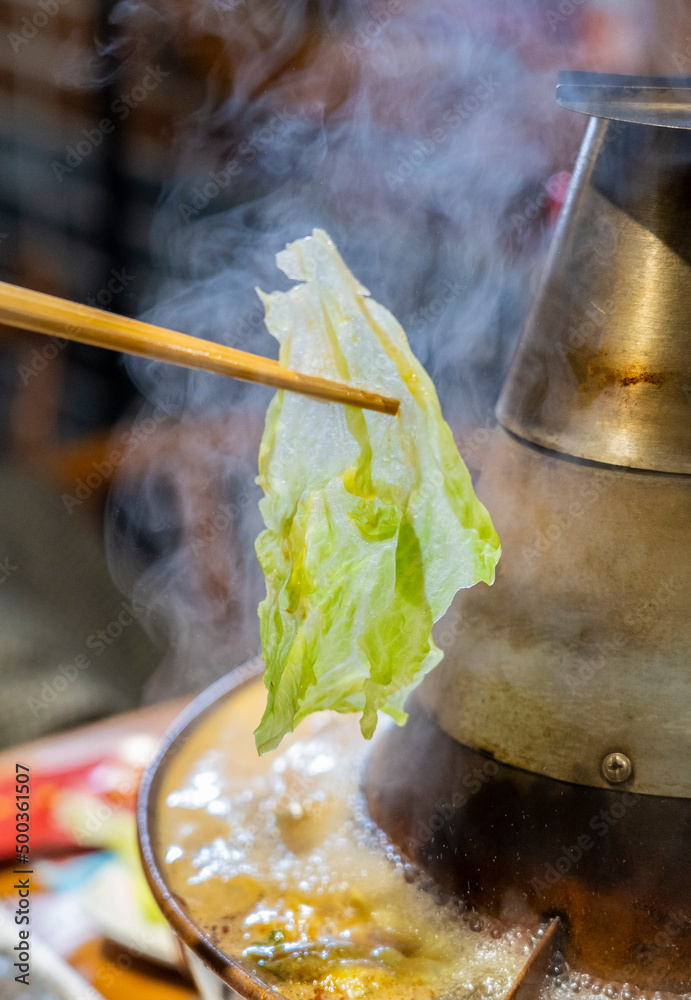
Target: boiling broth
276 861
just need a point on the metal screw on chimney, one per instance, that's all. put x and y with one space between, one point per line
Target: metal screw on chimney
617 768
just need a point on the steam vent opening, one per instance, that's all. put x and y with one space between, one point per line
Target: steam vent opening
345 574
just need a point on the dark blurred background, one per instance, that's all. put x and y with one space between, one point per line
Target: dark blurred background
109 111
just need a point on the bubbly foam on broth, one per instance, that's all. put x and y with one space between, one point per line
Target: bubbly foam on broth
276 864
564 985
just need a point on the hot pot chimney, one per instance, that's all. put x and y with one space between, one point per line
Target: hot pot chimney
546 766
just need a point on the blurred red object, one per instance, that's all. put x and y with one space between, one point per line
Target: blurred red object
557 187
111 781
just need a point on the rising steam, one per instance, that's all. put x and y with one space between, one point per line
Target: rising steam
417 136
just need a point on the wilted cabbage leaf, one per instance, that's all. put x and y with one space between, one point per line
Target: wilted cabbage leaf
371 521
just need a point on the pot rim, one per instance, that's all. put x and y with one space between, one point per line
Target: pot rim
172 906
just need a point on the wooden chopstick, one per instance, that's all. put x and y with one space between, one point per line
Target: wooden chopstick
56 317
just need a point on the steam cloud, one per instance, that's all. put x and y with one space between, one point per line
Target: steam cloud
421 136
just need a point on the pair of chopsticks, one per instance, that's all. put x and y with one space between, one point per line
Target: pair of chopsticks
66 320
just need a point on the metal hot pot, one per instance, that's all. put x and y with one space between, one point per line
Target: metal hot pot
572 675
545 770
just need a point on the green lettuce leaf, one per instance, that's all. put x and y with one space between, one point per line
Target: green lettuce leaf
371 521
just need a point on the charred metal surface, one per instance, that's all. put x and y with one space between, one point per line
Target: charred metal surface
616 867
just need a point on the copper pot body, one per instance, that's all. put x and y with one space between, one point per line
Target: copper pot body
603 369
581 647
502 784
579 650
